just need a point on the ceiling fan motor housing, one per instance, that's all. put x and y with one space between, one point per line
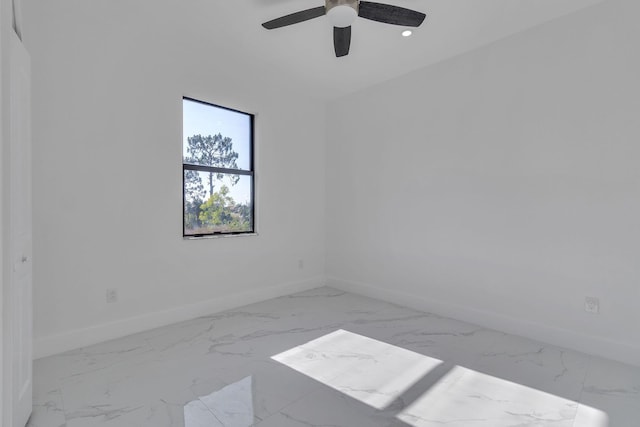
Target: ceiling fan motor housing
341 13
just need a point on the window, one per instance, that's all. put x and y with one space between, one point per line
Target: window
217 170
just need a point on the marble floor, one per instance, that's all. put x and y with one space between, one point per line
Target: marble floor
328 358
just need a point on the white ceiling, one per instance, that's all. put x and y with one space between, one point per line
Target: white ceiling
302 54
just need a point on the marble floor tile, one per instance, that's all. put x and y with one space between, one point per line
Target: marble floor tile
273 386
329 408
51 372
467 398
180 335
325 357
368 370
197 414
537 365
611 395
431 335
589 416
202 330
118 388
233 404
153 414
306 302
261 343
48 410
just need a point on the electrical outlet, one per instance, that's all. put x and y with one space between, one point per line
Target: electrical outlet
112 296
592 305
300 264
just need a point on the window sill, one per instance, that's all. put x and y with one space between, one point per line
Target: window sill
218 236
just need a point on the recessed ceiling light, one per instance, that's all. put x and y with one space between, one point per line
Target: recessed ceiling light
407 33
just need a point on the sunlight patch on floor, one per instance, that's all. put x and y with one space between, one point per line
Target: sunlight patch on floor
371 371
377 373
465 397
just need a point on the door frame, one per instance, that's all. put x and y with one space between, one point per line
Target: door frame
4 138
8 38
5 23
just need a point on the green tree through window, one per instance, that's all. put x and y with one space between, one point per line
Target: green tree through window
218 194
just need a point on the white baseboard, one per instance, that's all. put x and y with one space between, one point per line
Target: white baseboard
594 345
47 346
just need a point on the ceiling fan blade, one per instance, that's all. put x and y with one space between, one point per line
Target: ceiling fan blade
294 18
341 40
390 14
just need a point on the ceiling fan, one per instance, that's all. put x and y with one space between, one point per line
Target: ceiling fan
342 13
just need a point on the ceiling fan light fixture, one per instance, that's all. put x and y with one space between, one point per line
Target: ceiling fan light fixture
343 13
342 16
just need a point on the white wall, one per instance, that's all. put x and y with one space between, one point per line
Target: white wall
502 186
107 117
